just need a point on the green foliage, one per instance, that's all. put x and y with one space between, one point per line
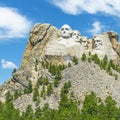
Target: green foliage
89 53
28 114
43 92
83 58
56 70
8 112
90 104
9 97
17 94
14 70
27 77
58 75
46 81
38 113
104 62
30 87
93 109
89 60
69 64
35 94
40 81
49 89
115 67
56 83
36 63
111 109
108 67
96 59
28 90
65 88
75 60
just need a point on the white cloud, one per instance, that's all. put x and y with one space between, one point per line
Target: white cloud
97 28
13 24
8 64
111 7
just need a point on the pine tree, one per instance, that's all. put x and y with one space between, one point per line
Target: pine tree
9 97
90 105
36 63
40 81
96 59
104 62
35 94
69 64
83 58
75 60
17 93
30 87
14 70
46 81
49 89
111 108
56 82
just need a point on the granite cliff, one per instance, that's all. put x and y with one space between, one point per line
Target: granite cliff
50 45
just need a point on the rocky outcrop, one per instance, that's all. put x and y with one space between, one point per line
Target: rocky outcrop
114 37
102 46
47 44
84 77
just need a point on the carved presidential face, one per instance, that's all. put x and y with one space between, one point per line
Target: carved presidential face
97 42
66 31
84 41
76 34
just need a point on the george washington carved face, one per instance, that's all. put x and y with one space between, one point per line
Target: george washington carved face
66 31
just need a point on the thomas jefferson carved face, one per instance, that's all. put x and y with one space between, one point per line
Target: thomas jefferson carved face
66 31
76 34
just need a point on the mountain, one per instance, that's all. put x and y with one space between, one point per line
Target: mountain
65 55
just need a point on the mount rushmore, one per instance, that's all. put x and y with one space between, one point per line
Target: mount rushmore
64 43
48 44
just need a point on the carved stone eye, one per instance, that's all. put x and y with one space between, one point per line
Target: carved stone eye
74 34
62 29
66 29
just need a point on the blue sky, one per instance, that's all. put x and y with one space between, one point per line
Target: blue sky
18 17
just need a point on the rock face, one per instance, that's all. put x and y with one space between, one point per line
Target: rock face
47 44
86 77
102 46
113 36
59 46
